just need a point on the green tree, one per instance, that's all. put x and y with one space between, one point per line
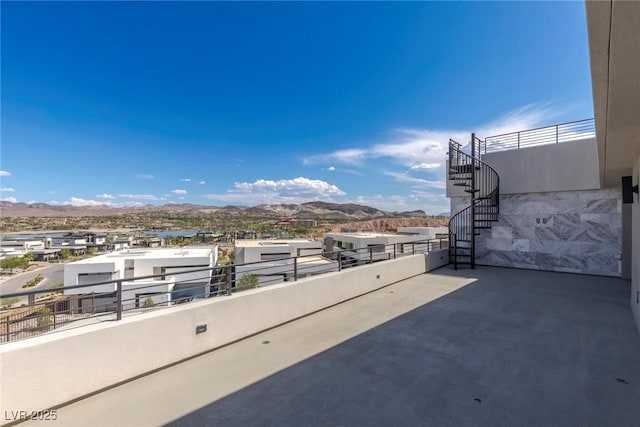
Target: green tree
301 231
247 281
65 253
11 263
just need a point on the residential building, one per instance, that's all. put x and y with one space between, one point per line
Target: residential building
274 261
120 243
19 247
361 246
167 285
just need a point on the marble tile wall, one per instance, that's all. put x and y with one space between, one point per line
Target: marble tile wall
576 232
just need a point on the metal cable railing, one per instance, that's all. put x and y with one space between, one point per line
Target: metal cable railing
556 134
70 306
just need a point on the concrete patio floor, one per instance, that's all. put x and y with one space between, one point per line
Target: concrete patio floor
490 346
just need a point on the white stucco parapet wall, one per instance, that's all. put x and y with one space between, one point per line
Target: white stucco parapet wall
46 371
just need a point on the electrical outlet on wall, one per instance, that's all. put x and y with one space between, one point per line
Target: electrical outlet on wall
543 221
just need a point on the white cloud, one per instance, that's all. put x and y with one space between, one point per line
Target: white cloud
353 156
104 196
425 150
426 166
331 168
131 204
50 192
138 196
527 117
404 177
5 173
7 190
185 179
179 191
291 187
76 201
202 183
9 199
295 190
144 176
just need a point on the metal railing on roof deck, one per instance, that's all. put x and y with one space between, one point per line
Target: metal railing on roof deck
564 132
51 309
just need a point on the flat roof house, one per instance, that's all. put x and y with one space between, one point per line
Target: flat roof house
274 261
167 285
363 245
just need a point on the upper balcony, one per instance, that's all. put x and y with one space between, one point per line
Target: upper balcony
556 158
555 134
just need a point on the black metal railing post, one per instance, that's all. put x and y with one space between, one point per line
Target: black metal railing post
7 326
229 279
295 269
119 300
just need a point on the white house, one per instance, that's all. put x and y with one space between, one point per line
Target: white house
168 285
19 247
274 261
362 246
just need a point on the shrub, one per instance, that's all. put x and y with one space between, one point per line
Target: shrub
31 283
44 319
248 281
8 302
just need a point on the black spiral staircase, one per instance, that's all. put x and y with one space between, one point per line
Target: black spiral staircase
482 183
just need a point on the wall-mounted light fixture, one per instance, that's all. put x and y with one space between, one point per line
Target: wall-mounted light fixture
628 189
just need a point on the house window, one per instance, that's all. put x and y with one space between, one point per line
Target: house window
275 256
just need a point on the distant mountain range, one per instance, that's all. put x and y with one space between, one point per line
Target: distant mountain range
315 210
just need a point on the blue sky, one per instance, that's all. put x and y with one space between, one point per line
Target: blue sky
246 103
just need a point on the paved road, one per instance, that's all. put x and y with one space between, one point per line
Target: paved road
53 274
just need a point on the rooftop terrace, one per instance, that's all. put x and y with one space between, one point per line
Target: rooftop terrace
490 346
